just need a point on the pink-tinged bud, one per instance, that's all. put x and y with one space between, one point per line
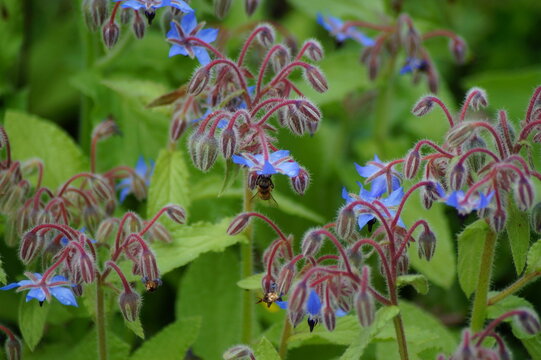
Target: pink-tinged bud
126 15
239 223
228 142
95 13
412 41
466 350
139 187
479 98
101 188
193 142
314 50
199 81
105 229
498 219
91 217
301 181
346 222
365 307
158 232
13 348
266 35
477 160
423 106
31 245
460 133
411 164
109 208
268 284
149 268
316 79
280 58
528 322
298 297
106 129
177 128
221 8
403 264
110 32
355 256
524 194
311 243
206 152
426 245
252 180
457 46
309 110
250 6
457 176
295 317
176 213
238 352
84 264
130 303
373 63
536 218
139 27
285 278
296 123
329 317
432 78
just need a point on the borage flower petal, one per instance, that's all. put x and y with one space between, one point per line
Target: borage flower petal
277 162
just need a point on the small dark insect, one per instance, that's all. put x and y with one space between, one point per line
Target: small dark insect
270 298
152 285
264 187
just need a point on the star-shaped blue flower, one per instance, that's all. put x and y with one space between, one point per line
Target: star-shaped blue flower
379 183
57 286
278 162
335 27
181 45
155 4
457 199
143 170
412 65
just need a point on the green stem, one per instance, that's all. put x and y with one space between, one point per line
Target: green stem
89 57
483 283
514 287
100 320
400 337
247 268
286 332
384 102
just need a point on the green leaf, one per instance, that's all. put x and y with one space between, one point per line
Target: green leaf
418 281
518 233
265 351
340 8
440 270
172 342
511 302
231 172
534 258
208 290
533 346
33 137
136 327
3 278
356 349
87 348
252 282
32 319
191 241
169 182
470 249
294 207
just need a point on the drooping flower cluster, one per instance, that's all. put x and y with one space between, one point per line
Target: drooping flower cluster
389 40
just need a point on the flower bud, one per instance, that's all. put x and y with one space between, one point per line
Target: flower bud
105 229
536 218
193 142
206 152
176 213
101 188
250 6
311 243
130 303
13 348
139 27
498 219
315 78
84 264
239 223
524 194
346 222
365 307
199 81
296 123
477 160
149 268
228 142
177 128
266 35
432 78
95 13
466 350
528 322
478 99
106 129
298 297
426 245
110 32
301 181
221 8
126 15
91 217
314 50
280 58
423 106
268 284
457 46
329 317
403 264
285 278
309 110
411 164
31 245
295 317
373 63
457 176
238 352
159 232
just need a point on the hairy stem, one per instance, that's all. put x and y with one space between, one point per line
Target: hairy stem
247 267
514 287
401 337
100 320
483 284
286 332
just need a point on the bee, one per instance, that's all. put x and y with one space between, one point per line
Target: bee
270 298
264 187
151 285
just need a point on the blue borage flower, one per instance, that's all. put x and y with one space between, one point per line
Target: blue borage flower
313 308
155 4
277 162
335 27
143 170
188 27
412 65
57 286
379 183
457 199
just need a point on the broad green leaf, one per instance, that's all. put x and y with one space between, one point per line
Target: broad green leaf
356 349
518 233
511 302
470 249
294 207
172 342
252 282
340 8
2 273
136 327
418 281
534 258
32 319
208 290
265 351
191 241
169 182
33 137
440 270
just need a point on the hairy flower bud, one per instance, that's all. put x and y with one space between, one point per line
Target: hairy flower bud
457 176
403 264
158 232
199 81
460 133
238 352
176 213
296 123
91 217
239 223
285 278
139 27
250 6
301 181
105 229
110 32
228 142
346 222
365 307
126 15
221 8
148 266
457 46
314 76
423 106
31 245
309 110
266 35
206 152
329 317
95 13
314 50
252 179
311 243
280 58
466 350
536 218
479 98
426 244
177 128
411 164
268 284
130 303
298 297
498 219
13 348
528 322
524 193
84 264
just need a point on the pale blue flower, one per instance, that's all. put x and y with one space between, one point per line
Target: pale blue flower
277 162
335 27
57 286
